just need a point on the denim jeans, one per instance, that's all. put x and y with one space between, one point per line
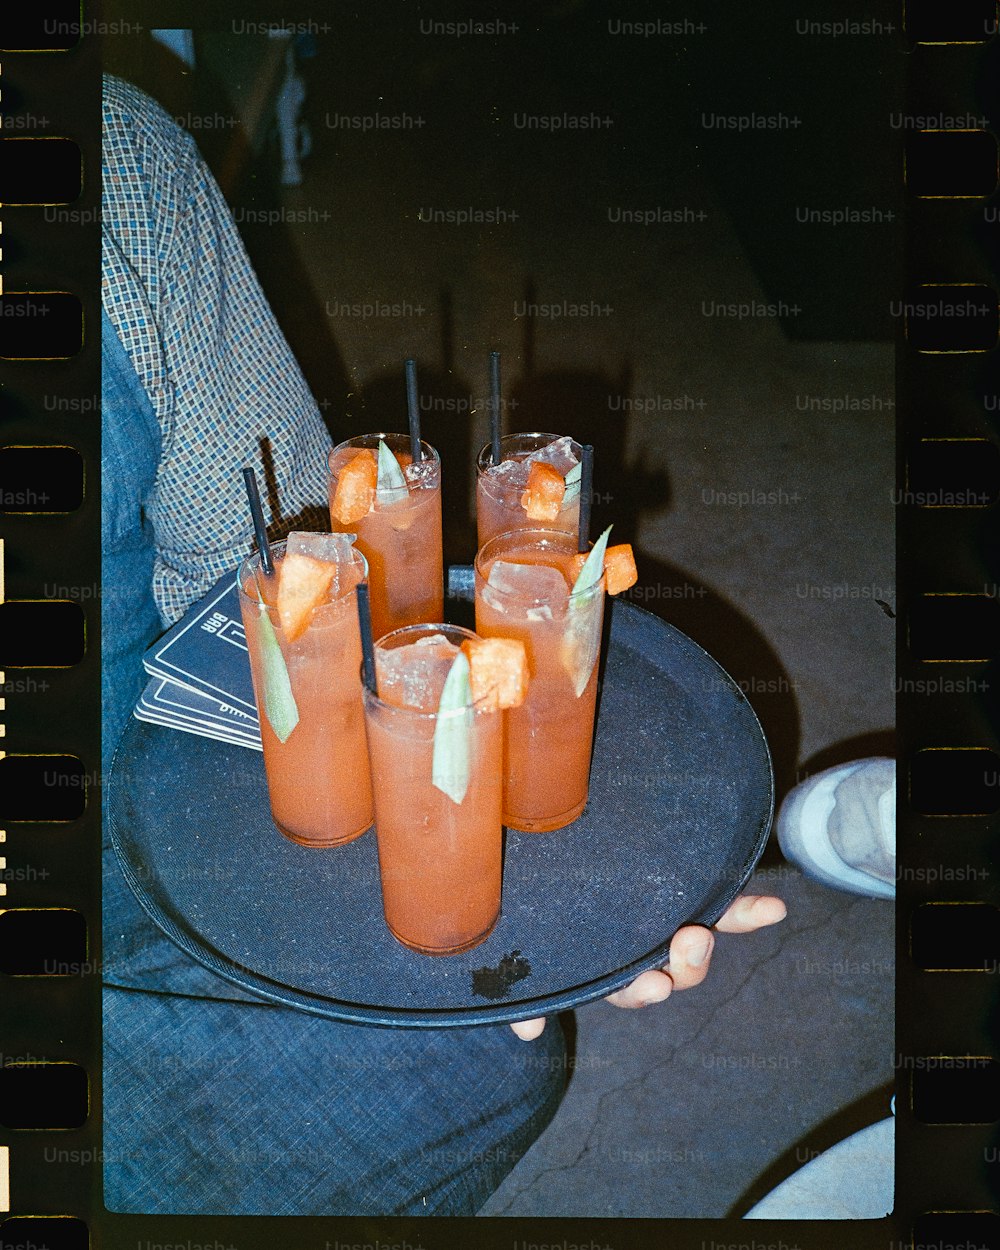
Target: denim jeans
216 1101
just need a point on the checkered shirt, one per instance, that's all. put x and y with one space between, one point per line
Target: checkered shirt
180 291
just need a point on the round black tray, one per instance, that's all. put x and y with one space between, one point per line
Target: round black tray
681 799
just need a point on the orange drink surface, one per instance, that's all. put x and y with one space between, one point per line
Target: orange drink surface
523 585
439 853
501 505
399 533
317 767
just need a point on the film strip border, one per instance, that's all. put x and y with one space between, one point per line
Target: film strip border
49 629
49 626
949 636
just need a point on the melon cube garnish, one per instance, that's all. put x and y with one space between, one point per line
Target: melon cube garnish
619 568
543 498
303 584
499 672
355 493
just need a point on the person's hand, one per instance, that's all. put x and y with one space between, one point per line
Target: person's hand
690 957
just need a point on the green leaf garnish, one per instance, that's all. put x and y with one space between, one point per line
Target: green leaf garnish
581 644
390 485
572 479
453 732
593 566
279 702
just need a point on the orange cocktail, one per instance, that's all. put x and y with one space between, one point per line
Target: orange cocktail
398 524
523 585
308 692
501 501
438 781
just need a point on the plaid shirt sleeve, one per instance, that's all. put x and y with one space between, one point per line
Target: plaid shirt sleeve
227 392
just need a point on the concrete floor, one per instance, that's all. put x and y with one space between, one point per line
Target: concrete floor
698 1106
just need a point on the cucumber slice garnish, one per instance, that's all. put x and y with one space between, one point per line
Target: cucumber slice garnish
390 485
593 566
279 703
582 641
453 732
572 480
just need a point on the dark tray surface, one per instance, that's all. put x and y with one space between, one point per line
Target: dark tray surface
680 806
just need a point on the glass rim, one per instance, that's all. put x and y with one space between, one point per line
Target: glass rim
437 627
371 441
277 547
523 534
482 468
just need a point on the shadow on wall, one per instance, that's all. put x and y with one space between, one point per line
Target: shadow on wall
586 403
626 488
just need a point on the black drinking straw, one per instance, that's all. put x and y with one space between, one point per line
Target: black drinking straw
259 528
495 405
367 642
586 493
413 407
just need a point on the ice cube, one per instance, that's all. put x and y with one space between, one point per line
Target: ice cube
559 454
413 676
336 549
401 511
422 473
510 474
513 474
511 585
333 548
